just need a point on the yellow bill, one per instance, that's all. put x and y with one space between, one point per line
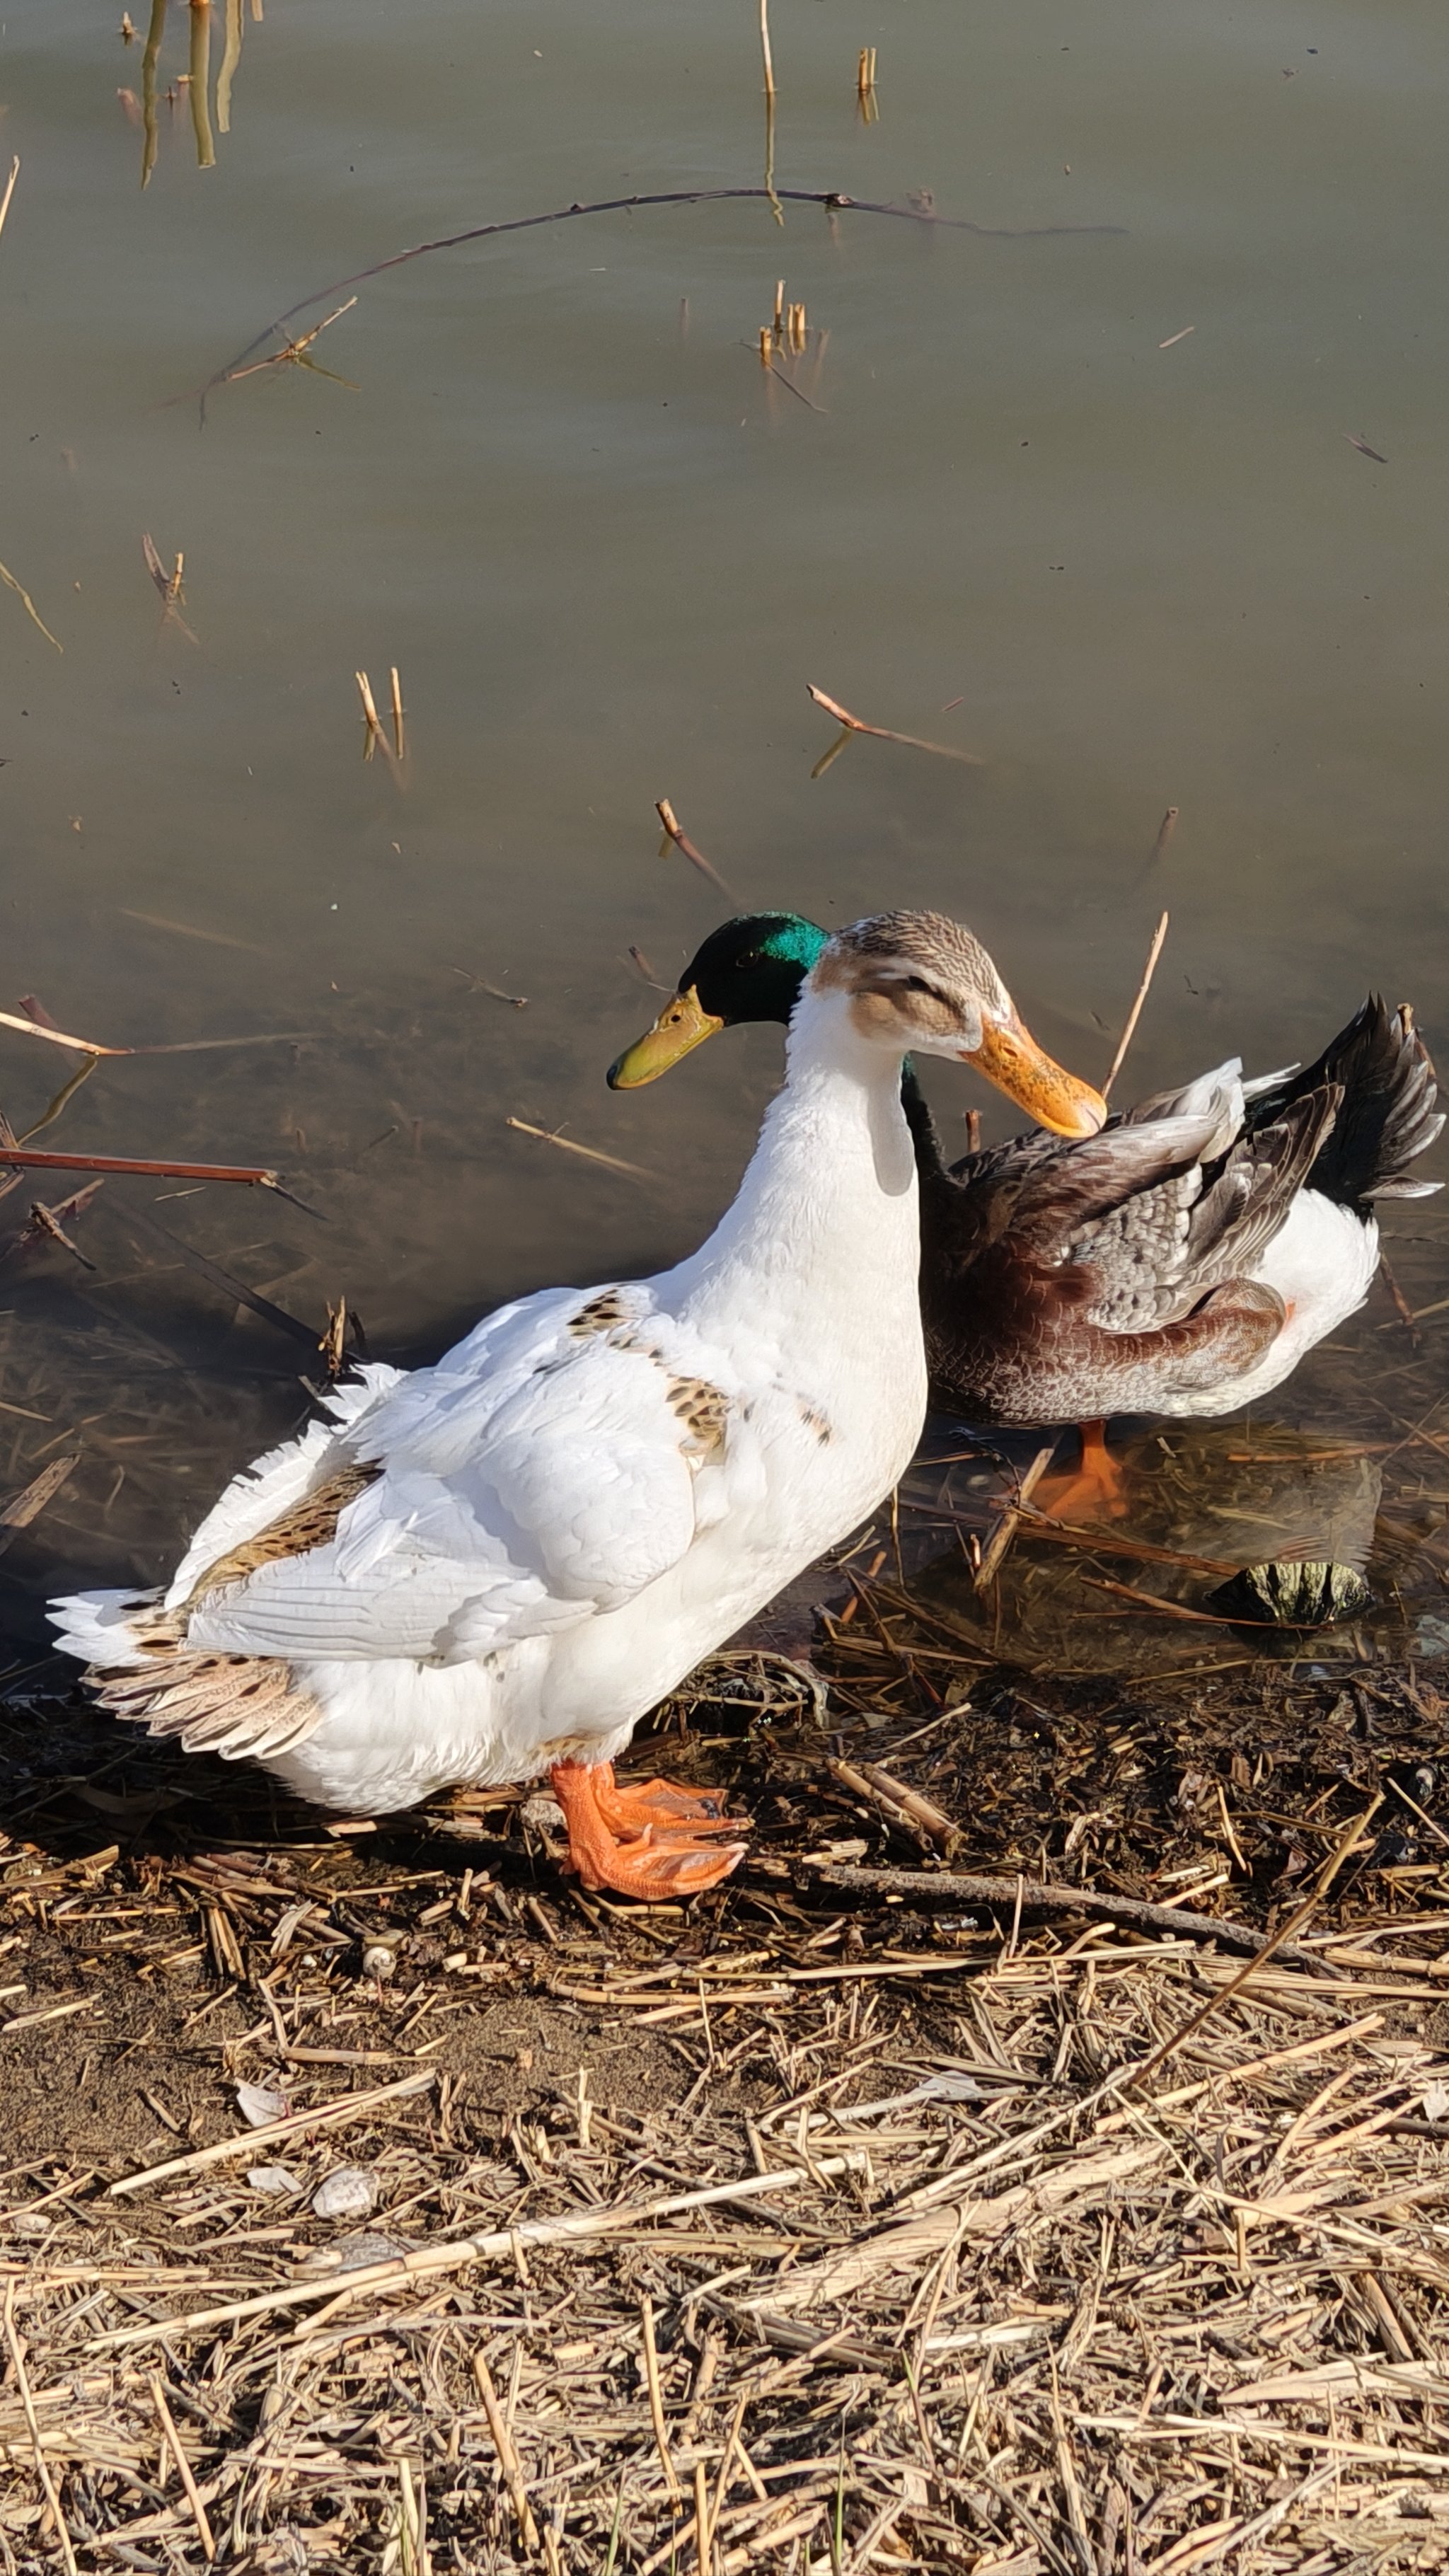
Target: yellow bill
683 1023
1010 1057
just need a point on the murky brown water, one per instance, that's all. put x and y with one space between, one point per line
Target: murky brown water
607 553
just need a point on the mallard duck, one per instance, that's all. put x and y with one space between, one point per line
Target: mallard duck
1181 1261
490 1569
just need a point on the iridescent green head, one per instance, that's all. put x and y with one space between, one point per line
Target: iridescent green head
751 968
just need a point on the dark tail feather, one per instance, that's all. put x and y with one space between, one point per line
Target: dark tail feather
1388 1116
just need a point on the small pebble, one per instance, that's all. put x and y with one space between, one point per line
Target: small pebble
273 2179
379 1961
258 2104
350 2253
350 2192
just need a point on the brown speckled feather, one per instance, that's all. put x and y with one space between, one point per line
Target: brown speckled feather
1064 1281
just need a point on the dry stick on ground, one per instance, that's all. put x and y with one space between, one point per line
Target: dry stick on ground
1009 1523
500 2245
834 200
1135 1014
887 733
298 2124
898 1803
686 848
508 2460
173 2440
22 2382
656 2398
966 1887
1275 1942
591 1153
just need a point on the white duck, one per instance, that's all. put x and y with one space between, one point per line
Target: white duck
492 1568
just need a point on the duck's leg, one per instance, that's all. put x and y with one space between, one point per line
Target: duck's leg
649 1841
1093 1490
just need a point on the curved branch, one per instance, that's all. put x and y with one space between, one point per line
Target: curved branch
834 200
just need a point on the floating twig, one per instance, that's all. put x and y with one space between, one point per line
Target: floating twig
253 1174
1185 334
8 577
398 737
591 1153
26 1506
887 733
833 200
174 1046
1364 448
9 190
1135 1014
765 48
686 848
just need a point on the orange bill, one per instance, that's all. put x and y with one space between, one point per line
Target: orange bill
682 1024
1010 1057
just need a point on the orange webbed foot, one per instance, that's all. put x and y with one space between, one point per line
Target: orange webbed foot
651 1840
1095 1490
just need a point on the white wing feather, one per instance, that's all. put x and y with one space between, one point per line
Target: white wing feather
530 1480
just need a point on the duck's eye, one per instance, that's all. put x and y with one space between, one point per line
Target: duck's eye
918 984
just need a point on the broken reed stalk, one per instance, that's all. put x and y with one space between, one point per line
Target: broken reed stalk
200 69
374 738
865 72
231 56
398 737
1010 1521
887 733
1135 1014
686 847
508 2460
9 190
765 52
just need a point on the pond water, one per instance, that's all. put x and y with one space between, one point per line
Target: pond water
1093 504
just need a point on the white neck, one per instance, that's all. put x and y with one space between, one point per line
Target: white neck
824 1235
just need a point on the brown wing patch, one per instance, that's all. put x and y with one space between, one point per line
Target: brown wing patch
305 1524
226 1704
603 1314
703 1411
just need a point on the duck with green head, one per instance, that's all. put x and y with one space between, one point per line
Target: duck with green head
1178 1259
